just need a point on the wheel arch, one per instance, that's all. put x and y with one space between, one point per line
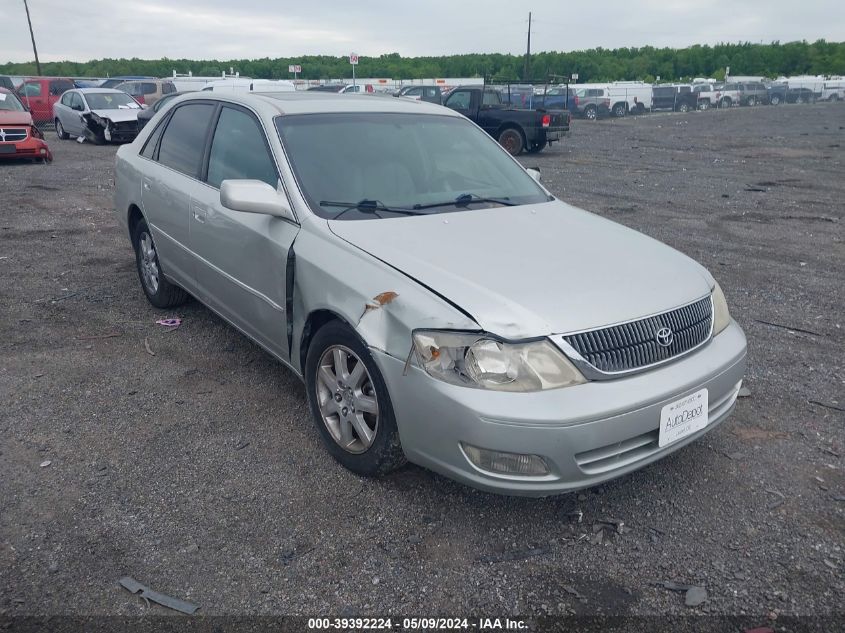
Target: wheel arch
134 216
315 320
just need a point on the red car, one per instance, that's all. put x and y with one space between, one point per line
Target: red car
19 138
39 94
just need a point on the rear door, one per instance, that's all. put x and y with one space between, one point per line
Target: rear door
175 153
242 257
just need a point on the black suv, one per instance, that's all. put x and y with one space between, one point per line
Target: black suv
678 97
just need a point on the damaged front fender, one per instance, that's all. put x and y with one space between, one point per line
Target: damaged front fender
380 303
97 129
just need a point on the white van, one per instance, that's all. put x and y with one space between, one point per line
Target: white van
626 97
251 85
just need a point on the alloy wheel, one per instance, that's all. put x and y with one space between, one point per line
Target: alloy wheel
149 262
347 399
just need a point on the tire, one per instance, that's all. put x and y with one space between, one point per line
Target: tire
751 102
619 110
704 104
775 100
536 148
511 139
834 98
375 449
60 130
684 107
726 102
591 113
160 292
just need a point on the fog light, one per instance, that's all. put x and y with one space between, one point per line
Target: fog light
506 463
43 151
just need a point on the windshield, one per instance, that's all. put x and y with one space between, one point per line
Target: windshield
8 101
110 101
399 160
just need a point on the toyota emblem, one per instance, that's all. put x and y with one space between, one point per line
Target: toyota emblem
664 337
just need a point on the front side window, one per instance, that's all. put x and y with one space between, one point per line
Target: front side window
183 141
76 102
66 98
459 100
148 88
32 89
167 88
239 151
399 160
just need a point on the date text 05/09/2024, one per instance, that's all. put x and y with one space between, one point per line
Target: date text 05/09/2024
419 624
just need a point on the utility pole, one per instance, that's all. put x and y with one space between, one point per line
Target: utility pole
32 36
527 74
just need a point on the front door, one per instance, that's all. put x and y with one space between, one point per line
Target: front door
242 257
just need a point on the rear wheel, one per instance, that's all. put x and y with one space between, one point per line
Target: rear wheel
60 130
684 107
350 404
751 101
725 103
160 292
704 104
511 139
590 113
775 100
834 97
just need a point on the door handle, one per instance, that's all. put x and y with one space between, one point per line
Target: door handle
146 185
198 213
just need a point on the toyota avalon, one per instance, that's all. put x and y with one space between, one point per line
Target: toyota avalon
440 305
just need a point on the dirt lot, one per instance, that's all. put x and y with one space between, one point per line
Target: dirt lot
194 467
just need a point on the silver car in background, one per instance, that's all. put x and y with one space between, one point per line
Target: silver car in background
96 114
439 304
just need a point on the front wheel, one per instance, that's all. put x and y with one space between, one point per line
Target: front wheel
60 131
590 113
775 100
160 292
619 110
683 107
350 404
751 102
704 104
511 140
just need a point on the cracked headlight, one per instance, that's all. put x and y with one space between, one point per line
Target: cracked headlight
483 362
721 316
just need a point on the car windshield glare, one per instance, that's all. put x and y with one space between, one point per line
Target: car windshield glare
8 101
401 160
111 101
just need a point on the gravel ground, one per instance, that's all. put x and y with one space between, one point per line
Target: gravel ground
194 467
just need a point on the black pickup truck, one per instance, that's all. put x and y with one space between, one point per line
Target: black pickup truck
515 129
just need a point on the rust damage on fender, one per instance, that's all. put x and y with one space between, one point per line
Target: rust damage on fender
381 299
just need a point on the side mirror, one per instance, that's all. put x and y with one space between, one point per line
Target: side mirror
254 196
534 172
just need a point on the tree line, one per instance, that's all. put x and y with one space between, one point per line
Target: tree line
599 64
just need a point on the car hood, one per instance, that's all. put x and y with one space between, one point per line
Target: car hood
9 117
534 270
118 115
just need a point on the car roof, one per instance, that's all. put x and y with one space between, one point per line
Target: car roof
86 91
315 102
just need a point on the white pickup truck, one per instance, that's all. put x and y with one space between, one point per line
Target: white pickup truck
711 95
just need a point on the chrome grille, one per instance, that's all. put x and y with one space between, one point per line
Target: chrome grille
12 134
630 346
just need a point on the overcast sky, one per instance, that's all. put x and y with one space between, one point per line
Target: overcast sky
81 30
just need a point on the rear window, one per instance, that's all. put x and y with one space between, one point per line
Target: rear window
167 88
183 142
148 88
60 86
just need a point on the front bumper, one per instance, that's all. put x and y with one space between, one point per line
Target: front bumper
31 147
587 434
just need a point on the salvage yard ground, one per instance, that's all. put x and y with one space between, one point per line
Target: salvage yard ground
187 459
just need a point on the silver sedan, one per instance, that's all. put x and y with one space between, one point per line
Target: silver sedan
440 305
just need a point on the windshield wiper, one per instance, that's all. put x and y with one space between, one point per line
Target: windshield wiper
367 206
464 199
